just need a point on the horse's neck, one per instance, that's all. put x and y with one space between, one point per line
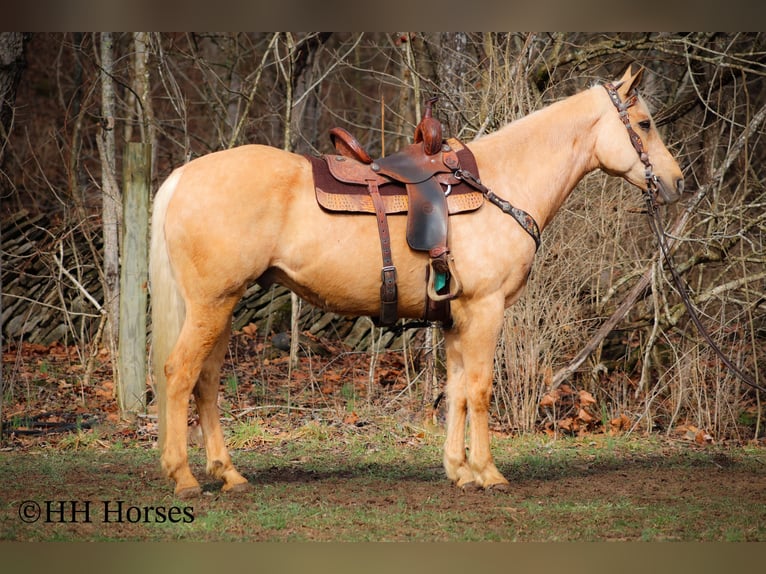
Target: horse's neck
536 161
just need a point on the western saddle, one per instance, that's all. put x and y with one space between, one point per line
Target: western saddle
418 180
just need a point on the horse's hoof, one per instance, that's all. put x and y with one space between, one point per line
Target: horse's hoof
499 487
471 486
189 493
236 488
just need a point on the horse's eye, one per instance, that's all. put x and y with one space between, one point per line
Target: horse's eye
645 125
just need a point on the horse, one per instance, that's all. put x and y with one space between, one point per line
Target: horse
249 214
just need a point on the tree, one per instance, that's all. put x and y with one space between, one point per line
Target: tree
11 67
110 195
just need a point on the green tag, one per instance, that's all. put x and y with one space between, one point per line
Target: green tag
440 281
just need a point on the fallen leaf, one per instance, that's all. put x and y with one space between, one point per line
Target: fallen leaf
689 432
703 438
620 423
567 424
548 375
548 400
585 417
586 398
250 329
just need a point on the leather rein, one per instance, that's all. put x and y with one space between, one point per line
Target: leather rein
527 222
655 222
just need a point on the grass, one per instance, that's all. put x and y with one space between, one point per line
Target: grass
383 482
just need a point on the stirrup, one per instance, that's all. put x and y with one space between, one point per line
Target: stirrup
455 286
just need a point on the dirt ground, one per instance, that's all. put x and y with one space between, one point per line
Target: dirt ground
328 492
332 468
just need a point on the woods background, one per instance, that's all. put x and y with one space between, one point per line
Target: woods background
70 102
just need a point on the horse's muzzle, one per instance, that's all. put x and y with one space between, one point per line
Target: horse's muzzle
667 194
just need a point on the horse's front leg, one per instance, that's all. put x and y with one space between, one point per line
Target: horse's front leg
470 359
479 391
455 462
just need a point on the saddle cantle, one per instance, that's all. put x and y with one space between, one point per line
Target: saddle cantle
348 146
419 180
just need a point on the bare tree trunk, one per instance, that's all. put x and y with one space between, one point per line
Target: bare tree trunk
286 67
142 42
296 70
303 116
133 287
111 198
451 71
11 66
408 109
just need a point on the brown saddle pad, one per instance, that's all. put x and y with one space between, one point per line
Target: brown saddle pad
351 194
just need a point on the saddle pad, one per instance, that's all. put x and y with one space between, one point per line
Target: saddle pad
353 197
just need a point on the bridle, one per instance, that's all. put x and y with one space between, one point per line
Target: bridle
635 139
655 222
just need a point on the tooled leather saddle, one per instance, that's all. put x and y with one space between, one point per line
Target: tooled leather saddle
418 180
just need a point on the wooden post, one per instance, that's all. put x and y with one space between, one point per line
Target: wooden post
134 279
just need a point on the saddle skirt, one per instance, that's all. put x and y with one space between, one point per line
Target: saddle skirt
340 184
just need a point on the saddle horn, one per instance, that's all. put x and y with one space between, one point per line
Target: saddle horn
429 130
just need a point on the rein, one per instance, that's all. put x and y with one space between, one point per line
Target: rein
655 222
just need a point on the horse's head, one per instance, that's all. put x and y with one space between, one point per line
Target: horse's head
628 144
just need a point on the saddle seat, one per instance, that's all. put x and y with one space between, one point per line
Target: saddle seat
428 131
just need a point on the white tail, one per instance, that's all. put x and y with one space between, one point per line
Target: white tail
168 310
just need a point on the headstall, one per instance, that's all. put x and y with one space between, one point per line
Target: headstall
635 139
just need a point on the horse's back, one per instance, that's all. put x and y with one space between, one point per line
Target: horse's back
240 171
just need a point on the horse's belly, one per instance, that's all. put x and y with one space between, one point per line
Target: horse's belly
351 289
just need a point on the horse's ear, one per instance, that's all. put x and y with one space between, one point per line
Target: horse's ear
630 79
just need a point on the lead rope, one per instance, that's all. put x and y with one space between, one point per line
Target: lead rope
655 222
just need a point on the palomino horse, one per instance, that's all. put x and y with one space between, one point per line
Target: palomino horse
249 214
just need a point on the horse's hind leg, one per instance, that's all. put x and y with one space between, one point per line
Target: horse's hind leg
219 463
203 328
